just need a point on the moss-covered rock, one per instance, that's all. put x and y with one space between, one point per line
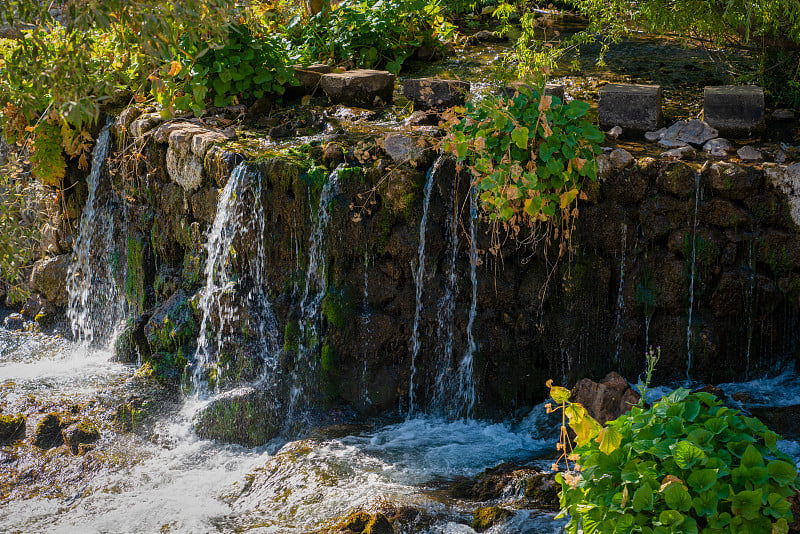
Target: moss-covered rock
400 190
172 324
488 516
245 416
362 522
131 343
48 432
78 434
136 279
12 427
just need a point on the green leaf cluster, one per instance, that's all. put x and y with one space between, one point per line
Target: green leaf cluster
685 465
371 34
241 65
529 155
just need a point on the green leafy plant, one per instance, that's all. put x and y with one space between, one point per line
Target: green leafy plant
242 65
529 155
685 465
382 34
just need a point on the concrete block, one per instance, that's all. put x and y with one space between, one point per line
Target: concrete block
634 108
734 110
435 93
552 89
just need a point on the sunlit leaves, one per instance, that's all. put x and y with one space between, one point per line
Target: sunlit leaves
537 151
685 465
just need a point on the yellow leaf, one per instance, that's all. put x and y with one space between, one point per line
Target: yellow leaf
609 439
585 430
174 68
567 197
306 100
559 394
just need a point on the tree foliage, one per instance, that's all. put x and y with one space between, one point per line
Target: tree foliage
769 29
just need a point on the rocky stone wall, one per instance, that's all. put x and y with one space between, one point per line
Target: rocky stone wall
627 282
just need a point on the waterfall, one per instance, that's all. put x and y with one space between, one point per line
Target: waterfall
749 303
315 289
365 318
94 307
465 397
445 321
618 324
691 280
237 216
419 276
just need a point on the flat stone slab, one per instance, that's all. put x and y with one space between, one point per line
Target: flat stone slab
734 110
551 89
635 108
435 93
309 77
359 87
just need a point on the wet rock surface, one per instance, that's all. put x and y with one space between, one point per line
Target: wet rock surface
435 93
607 399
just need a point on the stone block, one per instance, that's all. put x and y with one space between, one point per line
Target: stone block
635 108
309 77
734 110
551 89
428 93
359 87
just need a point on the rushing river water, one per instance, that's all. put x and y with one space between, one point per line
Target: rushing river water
173 481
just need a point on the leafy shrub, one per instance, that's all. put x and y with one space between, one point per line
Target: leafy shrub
685 465
529 155
372 34
243 65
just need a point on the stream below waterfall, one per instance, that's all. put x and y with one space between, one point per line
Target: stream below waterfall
173 481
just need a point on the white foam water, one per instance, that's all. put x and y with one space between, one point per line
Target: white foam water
94 305
239 214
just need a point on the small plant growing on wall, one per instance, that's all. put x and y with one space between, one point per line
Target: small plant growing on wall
687 464
529 157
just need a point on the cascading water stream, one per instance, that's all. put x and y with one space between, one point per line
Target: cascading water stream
314 292
419 281
365 318
691 281
94 307
618 323
236 216
444 318
749 303
465 396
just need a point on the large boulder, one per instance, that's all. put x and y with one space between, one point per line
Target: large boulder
605 400
246 416
49 278
734 181
787 181
48 432
784 420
